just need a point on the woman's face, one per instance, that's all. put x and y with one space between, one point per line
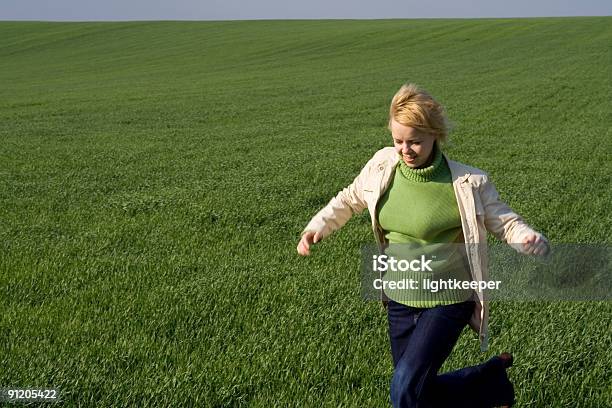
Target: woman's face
414 145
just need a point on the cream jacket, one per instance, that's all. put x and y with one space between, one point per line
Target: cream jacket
479 204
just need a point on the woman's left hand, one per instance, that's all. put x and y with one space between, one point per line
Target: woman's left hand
535 244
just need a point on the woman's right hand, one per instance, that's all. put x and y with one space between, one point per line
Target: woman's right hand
307 240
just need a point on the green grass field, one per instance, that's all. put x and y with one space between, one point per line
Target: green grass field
155 177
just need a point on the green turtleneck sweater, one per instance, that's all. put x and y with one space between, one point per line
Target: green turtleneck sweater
419 215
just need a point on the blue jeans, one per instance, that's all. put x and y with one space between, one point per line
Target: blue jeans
421 340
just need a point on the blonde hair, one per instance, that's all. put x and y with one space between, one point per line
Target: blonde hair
414 107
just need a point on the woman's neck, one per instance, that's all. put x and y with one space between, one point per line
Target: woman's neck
430 159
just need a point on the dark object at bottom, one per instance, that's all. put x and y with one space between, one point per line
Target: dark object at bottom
421 340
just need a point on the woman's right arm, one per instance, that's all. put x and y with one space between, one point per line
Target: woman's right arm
337 212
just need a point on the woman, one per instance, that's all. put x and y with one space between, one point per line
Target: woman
415 194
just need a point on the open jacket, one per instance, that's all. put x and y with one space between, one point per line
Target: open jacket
479 205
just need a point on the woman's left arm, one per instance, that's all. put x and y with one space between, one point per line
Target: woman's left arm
507 225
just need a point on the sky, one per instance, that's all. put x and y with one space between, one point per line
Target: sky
115 10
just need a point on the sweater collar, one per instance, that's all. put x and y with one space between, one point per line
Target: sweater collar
426 173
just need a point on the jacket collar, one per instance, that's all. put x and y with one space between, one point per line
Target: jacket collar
459 172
